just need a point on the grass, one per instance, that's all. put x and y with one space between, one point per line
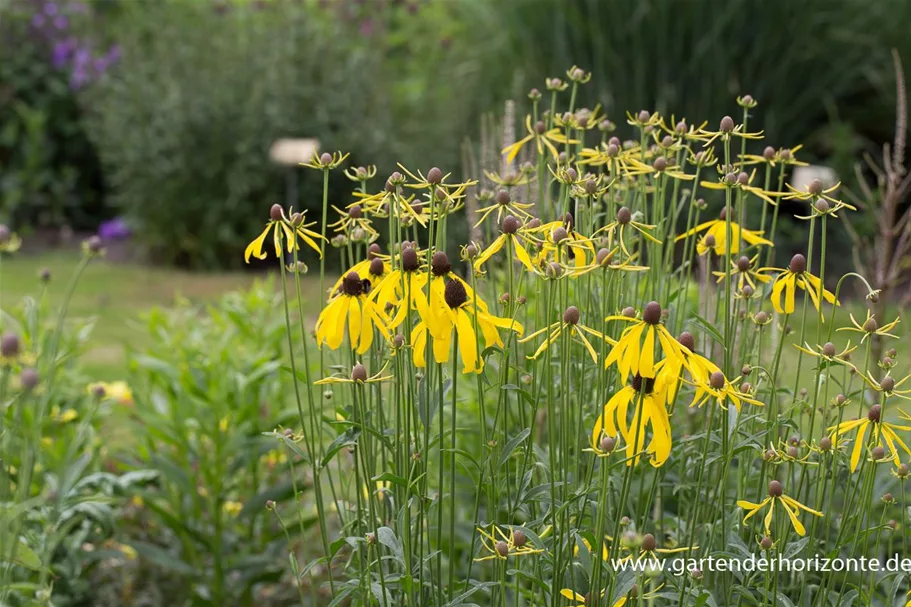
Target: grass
114 295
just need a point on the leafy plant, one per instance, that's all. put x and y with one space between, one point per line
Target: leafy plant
55 500
206 390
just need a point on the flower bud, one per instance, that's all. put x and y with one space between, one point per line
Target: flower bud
9 345
608 444
726 124
766 543
775 489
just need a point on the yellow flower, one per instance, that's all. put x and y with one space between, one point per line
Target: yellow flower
722 391
511 179
457 314
117 391
351 219
128 551
232 508
635 350
325 161
883 435
726 130
774 157
283 228
542 137
502 546
9 242
619 225
559 236
68 416
571 325
790 505
374 269
403 284
828 353
503 203
796 276
815 192
742 272
351 308
715 237
648 396
434 179
358 375
648 548
741 181
871 327
510 231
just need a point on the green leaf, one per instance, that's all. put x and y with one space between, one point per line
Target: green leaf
26 557
387 537
345 439
511 446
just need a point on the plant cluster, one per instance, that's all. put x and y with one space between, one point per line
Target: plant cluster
512 423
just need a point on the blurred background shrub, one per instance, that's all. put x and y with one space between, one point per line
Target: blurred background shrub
50 176
182 99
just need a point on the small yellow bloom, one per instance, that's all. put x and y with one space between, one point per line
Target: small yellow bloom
883 435
625 222
796 276
871 327
742 271
128 551
543 137
232 508
9 241
715 237
502 546
282 228
118 391
776 496
511 232
575 329
358 375
722 391
223 423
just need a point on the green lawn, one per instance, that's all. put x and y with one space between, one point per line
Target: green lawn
113 294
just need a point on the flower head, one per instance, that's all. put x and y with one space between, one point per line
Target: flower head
871 327
796 276
351 308
574 328
647 396
776 496
283 228
715 237
636 348
501 545
883 434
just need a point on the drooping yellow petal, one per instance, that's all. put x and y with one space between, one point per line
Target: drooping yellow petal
468 343
255 248
489 252
858 445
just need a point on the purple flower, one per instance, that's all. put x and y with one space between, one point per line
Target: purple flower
114 229
50 9
61 22
62 52
38 20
